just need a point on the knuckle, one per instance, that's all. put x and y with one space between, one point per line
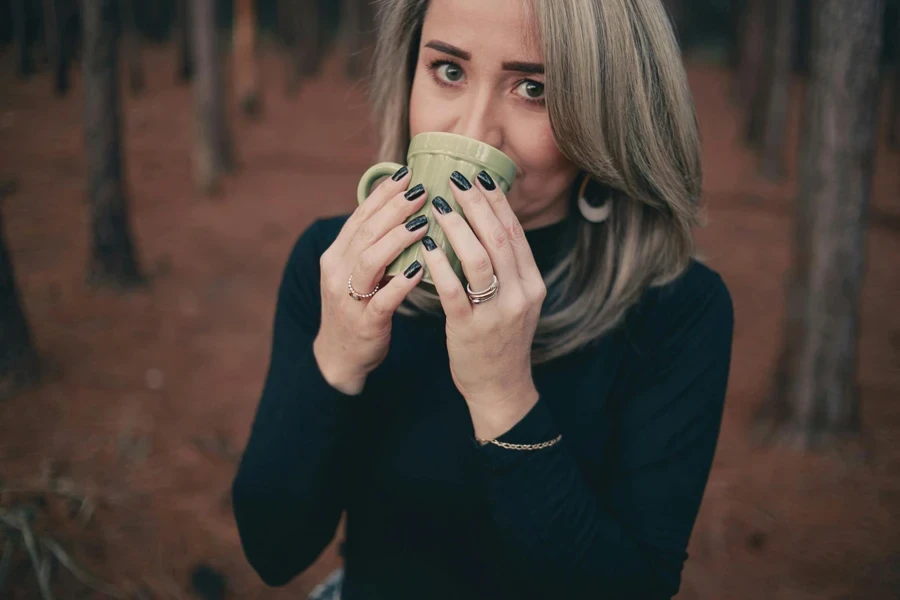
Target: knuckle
333 286
476 198
379 309
498 237
366 235
366 262
482 263
453 294
515 232
518 306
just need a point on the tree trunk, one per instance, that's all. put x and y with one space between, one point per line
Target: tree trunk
751 52
113 261
778 102
358 27
24 66
19 365
56 50
246 74
758 95
183 39
132 46
894 126
212 147
302 38
815 395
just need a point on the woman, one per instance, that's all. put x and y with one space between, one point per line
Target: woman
553 440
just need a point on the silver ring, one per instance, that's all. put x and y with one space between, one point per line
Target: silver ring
484 295
356 295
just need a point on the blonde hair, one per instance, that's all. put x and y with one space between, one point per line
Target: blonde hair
621 110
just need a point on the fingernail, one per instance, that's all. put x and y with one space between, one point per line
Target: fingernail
400 174
460 181
441 205
417 223
486 181
412 269
428 243
415 192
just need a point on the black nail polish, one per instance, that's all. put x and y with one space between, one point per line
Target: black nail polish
441 205
460 181
412 269
428 243
486 181
417 223
400 174
415 192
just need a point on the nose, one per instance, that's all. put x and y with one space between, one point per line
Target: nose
480 121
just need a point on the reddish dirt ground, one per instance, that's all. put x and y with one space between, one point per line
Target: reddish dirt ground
149 395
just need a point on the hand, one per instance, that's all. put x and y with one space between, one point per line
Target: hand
490 343
354 334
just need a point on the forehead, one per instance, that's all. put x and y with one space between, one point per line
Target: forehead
489 29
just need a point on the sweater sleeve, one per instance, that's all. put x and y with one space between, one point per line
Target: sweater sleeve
630 539
289 493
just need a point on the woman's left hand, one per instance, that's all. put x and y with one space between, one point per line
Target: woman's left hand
489 343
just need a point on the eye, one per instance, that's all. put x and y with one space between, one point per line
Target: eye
531 90
449 72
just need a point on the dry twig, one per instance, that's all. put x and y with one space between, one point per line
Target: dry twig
42 563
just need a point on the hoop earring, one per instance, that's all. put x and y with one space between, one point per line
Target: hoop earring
594 214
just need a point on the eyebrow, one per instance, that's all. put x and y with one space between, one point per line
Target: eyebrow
514 65
449 49
524 67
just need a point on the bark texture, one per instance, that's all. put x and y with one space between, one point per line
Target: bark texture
778 101
212 146
246 73
182 29
113 258
815 394
132 46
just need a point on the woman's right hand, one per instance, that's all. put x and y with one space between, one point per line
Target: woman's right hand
354 334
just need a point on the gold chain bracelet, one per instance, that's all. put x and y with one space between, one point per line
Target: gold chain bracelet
509 446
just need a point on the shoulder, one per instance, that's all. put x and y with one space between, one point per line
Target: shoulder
696 306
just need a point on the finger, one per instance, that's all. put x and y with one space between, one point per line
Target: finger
453 297
486 226
381 308
372 262
510 222
476 262
380 196
393 213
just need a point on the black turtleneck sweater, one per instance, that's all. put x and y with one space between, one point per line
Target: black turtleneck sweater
605 513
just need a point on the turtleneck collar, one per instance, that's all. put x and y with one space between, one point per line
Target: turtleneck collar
550 242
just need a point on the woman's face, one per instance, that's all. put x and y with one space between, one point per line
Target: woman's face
479 74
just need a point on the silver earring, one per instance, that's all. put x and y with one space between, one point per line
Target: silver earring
594 214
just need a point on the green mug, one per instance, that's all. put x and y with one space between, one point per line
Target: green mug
432 157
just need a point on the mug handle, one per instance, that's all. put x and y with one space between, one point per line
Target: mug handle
374 173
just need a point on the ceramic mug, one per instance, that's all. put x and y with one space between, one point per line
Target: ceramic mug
432 157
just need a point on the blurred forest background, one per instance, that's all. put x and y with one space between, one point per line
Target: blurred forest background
158 158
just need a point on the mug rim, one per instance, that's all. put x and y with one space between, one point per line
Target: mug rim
478 152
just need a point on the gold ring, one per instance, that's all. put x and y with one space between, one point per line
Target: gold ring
356 295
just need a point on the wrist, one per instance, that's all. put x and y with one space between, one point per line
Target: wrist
335 373
491 420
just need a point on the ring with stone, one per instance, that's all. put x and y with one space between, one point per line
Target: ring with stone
356 295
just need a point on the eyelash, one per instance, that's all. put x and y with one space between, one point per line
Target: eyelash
434 65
